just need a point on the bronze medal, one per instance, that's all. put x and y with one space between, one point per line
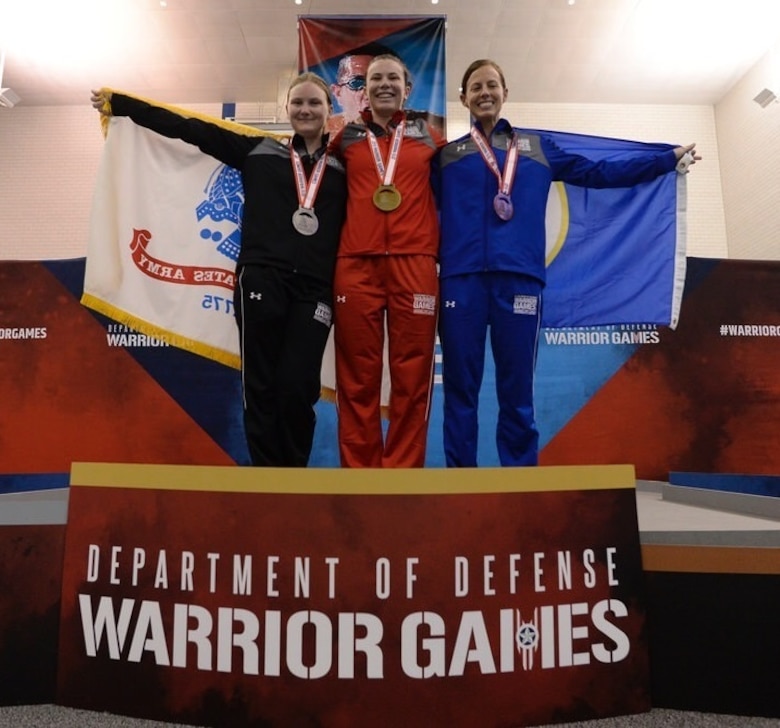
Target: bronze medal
503 206
387 198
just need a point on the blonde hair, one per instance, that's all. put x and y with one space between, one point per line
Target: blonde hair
308 77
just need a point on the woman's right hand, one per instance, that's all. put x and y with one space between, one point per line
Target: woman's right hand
101 100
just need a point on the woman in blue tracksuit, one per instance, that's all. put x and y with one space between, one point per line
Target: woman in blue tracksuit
493 186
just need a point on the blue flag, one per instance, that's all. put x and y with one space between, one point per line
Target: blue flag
614 256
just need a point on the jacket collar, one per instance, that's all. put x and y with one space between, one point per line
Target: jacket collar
502 125
299 145
397 118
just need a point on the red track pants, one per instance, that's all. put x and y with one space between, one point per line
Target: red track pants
401 291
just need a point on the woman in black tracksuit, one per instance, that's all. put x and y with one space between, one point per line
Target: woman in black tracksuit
295 198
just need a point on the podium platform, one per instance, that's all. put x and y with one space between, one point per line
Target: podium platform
710 581
216 596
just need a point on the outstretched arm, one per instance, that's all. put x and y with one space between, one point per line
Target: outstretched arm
101 100
207 133
680 152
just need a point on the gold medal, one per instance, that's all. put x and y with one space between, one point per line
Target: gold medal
387 198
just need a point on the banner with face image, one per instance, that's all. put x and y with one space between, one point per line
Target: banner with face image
339 49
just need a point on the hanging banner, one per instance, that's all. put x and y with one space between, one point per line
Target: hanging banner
339 48
66 371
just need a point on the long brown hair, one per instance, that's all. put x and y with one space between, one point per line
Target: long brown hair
392 57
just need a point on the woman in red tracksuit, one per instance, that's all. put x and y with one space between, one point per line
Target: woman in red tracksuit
386 275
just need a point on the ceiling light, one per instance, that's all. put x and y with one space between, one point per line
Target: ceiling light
765 97
8 98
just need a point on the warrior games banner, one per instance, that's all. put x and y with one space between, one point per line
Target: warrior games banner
704 398
331 598
76 386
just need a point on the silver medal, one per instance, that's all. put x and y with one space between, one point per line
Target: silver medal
305 221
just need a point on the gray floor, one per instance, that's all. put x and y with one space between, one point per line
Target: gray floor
51 716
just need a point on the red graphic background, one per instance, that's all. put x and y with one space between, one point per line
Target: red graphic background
358 530
323 38
70 397
698 401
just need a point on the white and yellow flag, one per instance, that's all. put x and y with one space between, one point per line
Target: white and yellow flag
165 233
